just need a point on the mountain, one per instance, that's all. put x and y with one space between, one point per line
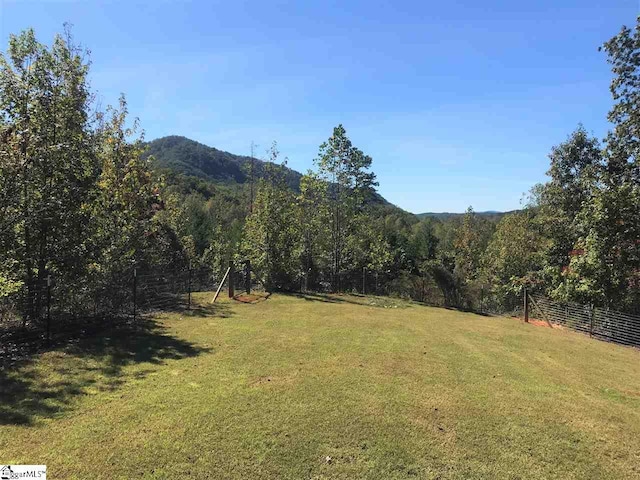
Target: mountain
194 159
182 155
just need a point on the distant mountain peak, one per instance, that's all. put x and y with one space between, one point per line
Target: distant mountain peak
189 157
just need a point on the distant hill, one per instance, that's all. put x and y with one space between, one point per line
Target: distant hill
191 158
187 157
491 214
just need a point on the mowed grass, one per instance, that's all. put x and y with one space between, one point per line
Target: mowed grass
327 387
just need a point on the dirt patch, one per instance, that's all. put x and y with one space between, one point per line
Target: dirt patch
543 323
251 297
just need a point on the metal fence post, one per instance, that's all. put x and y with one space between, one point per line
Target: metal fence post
591 314
526 305
364 280
135 288
189 289
247 276
232 275
48 310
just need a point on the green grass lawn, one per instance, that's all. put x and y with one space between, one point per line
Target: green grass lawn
327 387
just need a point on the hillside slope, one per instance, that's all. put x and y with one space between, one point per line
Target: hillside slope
327 386
191 158
187 157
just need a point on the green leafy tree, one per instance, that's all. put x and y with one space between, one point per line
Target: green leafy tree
604 265
574 169
345 168
470 243
270 236
515 256
126 228
313 210
46 158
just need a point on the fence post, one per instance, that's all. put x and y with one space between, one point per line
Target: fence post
364 280
189 289
482 300
232 275
48 310
526 305
247 276
591 313
135 288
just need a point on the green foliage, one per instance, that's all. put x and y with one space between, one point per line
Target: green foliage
345 169
514 254
81 203
82 197
191 158
46 160
270 237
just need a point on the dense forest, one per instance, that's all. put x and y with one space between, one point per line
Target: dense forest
85 199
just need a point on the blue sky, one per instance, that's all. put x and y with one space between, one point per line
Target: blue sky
458 103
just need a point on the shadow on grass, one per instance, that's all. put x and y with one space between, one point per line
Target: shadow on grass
352 298
323 297
252 298
197 309
376 301
35 387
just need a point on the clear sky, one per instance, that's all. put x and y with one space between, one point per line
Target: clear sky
458 103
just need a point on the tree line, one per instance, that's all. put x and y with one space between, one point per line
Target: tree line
82 201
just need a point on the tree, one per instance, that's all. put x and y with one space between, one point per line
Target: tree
270 237
470 242
46 158
345 168
423 243
575 166
515 256
623 142
604 265
125 200
313 210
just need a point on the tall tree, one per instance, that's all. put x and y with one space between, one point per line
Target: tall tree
470 243
46 148
605 264
270 236
515 256
127 196
575 166
345 168
623 142
313 210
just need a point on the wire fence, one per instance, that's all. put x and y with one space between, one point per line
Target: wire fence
53 310
601 323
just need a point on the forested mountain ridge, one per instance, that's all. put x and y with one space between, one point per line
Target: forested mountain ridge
191 158
181 155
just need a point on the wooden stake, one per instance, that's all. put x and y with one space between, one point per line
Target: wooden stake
221 284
